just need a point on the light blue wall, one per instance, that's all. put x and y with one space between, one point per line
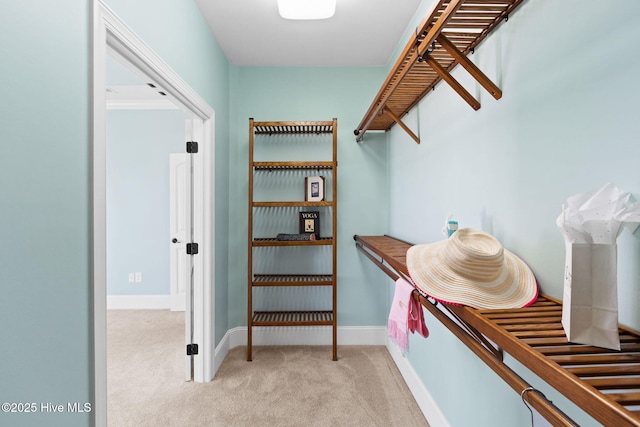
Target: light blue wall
307 93
44 208
138 146
45 186
567 123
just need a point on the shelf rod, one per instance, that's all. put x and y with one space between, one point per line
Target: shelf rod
545 407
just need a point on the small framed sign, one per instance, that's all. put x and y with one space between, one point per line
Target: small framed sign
310 223
314 189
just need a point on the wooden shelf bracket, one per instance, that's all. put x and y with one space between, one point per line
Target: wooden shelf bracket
460 90
480 77
449 32
397 119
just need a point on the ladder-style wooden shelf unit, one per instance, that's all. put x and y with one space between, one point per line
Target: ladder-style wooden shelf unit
604 383
444 38
297 133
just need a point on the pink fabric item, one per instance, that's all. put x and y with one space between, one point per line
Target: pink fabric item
416 318
398 324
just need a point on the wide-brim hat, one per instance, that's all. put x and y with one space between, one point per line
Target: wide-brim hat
472 268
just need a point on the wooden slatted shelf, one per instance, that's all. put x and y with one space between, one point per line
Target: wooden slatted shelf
293 318
290 204
272 241
271 166
604 383
449 32
292 280
293 128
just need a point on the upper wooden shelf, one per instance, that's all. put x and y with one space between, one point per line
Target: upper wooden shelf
293 128
448 33
270 166
288 204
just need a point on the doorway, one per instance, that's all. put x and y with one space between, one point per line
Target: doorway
113 37
146 194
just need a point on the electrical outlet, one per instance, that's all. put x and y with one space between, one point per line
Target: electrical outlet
131 278
138 277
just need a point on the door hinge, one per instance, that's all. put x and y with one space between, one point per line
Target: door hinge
192 147
192 248
192 349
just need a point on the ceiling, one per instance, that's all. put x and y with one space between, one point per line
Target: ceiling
126 89
361 33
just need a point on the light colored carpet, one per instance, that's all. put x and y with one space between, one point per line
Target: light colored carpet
283 386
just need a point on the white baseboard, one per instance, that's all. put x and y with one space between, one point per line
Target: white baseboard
138 302
312 335
427 405
221 351
373 335
348 335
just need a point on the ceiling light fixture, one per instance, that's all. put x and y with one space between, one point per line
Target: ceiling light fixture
306 9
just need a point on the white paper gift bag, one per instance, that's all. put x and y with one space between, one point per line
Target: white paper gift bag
590 300
590 224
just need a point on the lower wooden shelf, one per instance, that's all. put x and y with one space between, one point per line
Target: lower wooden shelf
604 383
292 318
272 241
292 280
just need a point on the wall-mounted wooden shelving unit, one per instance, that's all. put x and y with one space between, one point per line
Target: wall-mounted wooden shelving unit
449 32
604 383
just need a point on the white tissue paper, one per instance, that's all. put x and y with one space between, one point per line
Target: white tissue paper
590 224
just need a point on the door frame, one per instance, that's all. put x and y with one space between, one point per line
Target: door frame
110 34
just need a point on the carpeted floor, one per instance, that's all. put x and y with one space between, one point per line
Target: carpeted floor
283 386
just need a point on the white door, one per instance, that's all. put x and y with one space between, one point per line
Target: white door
178 231
189 273
181 199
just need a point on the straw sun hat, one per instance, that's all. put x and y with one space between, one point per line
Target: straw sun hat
472 268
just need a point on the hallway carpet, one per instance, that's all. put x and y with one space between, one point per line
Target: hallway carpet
283 386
